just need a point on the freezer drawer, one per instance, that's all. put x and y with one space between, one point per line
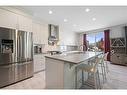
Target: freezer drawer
20 71
7 75
23 70
30 69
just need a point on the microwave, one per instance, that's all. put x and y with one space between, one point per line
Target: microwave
38 48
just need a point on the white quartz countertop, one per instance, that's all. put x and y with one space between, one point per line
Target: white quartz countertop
76 57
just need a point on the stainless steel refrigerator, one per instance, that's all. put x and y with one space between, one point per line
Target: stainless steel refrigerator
16 56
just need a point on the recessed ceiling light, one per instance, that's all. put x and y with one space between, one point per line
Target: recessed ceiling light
87 10
93 19
81 29
50 12
65 20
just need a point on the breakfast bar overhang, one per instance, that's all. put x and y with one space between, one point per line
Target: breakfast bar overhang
60 69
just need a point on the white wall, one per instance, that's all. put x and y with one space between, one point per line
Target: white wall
67 37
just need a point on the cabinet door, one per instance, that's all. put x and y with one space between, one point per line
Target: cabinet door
8 19
39 63
43 62
121 58
125 59
36 34
45 33
24 23
41 34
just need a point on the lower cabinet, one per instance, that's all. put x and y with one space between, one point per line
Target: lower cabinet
39 62
119 59
125 59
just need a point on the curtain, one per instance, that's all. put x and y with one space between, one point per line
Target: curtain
107 42
84 42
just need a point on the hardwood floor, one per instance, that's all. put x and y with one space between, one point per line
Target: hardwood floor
117 79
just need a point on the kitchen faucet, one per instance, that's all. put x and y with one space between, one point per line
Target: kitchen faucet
82 48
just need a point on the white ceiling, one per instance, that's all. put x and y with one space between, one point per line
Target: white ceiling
105 16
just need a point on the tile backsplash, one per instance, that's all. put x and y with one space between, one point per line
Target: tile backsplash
59 48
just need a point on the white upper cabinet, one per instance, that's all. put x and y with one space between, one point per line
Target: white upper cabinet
36 34
24 23
44 33
8 19
12 20
40 33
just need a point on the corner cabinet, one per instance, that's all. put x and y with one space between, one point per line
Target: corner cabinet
118 46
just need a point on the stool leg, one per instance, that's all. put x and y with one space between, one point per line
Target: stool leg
76 78
105 74
102 69
95 81
107 69
98 79
82 77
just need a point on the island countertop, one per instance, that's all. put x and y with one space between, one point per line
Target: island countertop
75 58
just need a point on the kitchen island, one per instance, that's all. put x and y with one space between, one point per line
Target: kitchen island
60 69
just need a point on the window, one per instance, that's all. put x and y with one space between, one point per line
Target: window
63 48
95 41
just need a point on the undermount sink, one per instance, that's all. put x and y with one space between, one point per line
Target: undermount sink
79 52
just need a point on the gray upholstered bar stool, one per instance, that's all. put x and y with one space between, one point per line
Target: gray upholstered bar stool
93 79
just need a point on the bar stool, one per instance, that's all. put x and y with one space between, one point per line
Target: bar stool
93 79
106 61
102 67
